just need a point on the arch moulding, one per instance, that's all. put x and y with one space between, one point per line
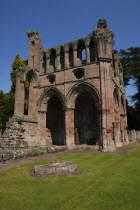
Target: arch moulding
46 95
80 88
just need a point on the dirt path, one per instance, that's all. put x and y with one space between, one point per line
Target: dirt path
12 163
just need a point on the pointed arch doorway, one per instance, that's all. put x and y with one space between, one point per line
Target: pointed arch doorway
86 119
55 120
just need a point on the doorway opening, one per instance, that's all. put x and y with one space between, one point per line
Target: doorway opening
55 120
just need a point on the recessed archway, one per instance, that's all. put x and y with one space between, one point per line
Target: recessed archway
55 120
85 120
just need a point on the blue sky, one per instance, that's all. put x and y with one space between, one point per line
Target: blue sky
61 21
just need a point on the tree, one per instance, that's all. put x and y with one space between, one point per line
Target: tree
130 60
6 109
18 62
7 100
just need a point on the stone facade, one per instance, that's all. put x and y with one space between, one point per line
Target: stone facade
76 94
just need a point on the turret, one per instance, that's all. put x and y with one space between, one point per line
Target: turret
104 38
35 50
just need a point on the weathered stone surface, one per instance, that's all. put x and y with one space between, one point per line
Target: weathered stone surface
133 136
55 168
14 153
73 99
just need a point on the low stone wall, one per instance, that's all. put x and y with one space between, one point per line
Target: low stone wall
133 135
7 153
16 153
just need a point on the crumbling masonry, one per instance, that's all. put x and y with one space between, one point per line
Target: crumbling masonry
75 96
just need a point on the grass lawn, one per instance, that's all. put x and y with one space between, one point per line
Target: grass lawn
108 181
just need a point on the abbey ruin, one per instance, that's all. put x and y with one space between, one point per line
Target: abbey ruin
76 94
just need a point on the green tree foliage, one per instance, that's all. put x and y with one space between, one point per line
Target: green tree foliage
7 100
130 60
18 62
6 108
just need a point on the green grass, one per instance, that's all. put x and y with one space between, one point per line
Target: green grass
108 181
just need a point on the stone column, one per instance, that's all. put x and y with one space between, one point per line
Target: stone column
107 105
87 43
41 63
87 55
58 64
48 63
66 50
19 93
69 126
32 101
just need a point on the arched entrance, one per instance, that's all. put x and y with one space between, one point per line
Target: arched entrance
55 120
86 119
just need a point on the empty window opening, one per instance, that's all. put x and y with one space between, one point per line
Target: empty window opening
29 97
71 57
53 61
62 58
79 73
92 51
26 98
33 42
44 63
81 52
83 55
51 78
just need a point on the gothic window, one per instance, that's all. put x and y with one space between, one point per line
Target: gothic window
44 63
33 42
53 59
92 51
71 56
62 58
81 52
